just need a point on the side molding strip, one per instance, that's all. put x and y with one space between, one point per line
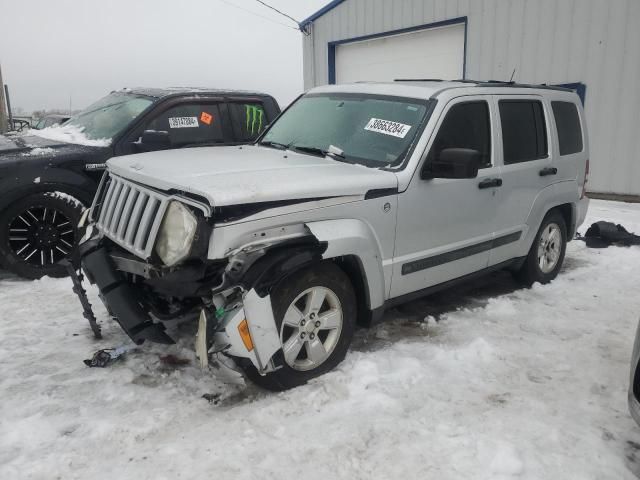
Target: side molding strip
430 262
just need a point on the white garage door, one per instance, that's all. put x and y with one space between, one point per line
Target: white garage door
433 53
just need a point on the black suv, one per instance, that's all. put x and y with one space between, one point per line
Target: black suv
48 176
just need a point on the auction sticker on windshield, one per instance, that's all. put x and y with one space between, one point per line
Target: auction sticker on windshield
183 122
387 127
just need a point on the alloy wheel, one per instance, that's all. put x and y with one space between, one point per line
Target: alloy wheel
41 236
311 328
549 248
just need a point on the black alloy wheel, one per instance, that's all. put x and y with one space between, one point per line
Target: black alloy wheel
37 233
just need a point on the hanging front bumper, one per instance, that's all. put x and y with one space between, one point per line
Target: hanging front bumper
118 295
252 317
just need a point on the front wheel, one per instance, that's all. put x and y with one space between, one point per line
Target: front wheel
37 232
315 313
546 255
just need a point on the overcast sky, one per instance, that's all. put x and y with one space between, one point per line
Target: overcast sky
54 50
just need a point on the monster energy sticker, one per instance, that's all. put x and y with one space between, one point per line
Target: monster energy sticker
387 127
183 122
255 116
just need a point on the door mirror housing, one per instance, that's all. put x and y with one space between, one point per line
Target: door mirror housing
154 140
453 163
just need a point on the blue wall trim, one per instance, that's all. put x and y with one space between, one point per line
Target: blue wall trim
579 87
319 13
453 21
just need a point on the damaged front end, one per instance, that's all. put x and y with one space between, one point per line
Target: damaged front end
229 297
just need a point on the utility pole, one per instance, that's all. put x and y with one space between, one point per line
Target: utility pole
3 107
7 99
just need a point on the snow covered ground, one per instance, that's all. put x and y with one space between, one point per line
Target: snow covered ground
485 382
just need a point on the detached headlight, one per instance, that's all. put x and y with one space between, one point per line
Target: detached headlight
176 234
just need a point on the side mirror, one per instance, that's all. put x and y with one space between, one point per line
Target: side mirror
154 140
453 163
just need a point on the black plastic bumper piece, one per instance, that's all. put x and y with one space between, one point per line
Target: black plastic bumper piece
121 299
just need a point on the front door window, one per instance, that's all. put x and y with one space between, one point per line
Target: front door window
190 124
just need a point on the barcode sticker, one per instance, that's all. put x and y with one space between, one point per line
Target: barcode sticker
387 127
183 122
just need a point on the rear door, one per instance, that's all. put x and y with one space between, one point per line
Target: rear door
527 169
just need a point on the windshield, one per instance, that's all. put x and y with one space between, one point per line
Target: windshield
109 115
373 130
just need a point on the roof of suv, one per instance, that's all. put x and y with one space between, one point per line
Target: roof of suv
428 88
167 91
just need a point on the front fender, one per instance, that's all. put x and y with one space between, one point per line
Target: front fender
352 237
31 181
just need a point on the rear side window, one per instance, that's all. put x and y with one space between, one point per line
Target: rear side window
249 120
568 126
524 134
190 124
467 125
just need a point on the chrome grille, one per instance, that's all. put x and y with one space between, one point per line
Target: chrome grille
129 214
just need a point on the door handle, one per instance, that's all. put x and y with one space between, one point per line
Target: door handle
490 183
548 171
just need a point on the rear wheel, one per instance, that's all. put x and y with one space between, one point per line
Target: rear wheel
37 232
546 255
315 313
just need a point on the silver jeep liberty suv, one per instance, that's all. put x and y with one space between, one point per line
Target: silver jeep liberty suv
358 197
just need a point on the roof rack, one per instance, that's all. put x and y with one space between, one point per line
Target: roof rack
418 80
461 80
542 86
489 83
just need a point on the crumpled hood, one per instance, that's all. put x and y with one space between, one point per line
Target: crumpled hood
249 174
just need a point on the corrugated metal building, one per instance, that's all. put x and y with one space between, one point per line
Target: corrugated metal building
594 44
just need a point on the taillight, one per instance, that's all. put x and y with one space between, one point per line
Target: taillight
586 178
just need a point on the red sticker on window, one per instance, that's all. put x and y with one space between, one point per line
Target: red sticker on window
206 118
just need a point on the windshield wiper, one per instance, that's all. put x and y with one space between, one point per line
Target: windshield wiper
279 146
318 151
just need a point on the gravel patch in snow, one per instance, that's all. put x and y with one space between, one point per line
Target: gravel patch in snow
484 381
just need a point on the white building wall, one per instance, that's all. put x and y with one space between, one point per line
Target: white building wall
596 42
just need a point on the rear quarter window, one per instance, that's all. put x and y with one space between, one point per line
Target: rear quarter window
568 127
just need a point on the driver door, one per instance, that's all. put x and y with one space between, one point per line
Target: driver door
445 226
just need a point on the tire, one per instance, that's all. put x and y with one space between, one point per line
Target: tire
295 291
546 255
37 232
